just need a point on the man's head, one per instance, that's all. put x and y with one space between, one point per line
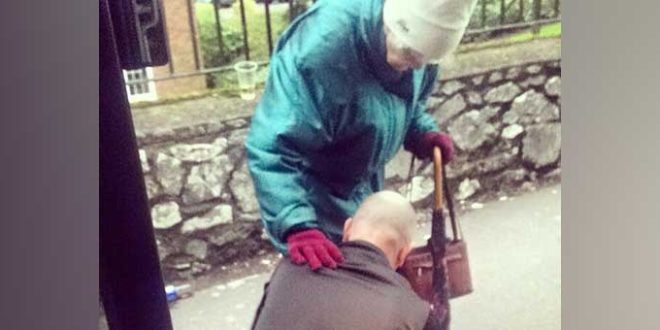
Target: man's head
419 31
385 219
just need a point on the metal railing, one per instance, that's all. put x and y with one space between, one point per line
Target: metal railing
512 15
491 17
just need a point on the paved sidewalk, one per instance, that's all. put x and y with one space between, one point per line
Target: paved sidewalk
515 257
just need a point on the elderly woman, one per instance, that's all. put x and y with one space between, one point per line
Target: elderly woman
347 87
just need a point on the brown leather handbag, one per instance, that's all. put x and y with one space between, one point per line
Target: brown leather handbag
452 264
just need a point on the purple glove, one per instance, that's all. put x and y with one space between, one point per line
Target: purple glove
313 247
425 145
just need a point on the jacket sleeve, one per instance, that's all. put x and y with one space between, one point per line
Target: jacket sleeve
307 80
422 122
285 129
294 120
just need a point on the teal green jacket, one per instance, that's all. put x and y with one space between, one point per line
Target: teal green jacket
332 114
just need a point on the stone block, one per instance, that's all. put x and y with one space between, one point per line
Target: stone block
450 108
542 144
502 93
220 215
169 173
165 215
471 130
207 181
530 108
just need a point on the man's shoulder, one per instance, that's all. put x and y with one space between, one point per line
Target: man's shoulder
374 287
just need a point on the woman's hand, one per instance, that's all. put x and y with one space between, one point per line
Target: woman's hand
313 247
424 148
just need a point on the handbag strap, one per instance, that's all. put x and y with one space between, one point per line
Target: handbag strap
455 224
442 191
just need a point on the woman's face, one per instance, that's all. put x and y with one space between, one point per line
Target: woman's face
400 57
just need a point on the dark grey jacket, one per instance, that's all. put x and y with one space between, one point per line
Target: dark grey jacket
362 293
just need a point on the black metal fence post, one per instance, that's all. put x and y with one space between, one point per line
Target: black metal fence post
483 13
245 32
268 27
537 16
502 11
218 26
195 34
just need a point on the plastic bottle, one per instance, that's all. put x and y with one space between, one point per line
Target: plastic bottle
175 292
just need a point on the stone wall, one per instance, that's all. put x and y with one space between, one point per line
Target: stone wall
506 126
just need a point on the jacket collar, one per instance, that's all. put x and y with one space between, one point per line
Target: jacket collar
366 252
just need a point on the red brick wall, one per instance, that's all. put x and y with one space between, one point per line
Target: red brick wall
182 51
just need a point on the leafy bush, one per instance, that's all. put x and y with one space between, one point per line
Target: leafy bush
232 48
213 55
232 33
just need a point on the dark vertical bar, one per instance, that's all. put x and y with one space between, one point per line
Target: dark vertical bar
218 26
537 16
537 10
245 32
521 10
130 282
483 13
290 10
556 8
193 31
502 11
170 63
268 27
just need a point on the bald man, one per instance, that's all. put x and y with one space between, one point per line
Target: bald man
363 292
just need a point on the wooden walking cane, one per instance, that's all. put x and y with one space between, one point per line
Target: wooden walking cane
439 270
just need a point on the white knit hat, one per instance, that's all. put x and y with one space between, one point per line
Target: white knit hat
431 27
